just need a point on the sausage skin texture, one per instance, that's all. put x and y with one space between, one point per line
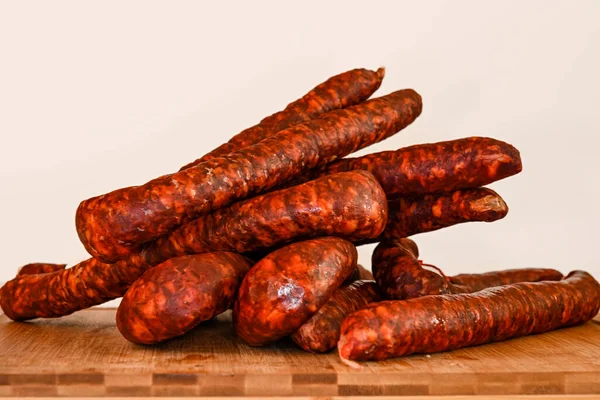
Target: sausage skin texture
432 324
435 167
400 274
112 226
322 331
340 91
283 290
332 205
40 268
175 296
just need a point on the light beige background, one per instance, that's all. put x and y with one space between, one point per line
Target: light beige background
99 95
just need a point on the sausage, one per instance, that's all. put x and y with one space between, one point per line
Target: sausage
40 268
409 217
283 290
432 324
434 167
340 91
113 225
322 331
400 274
175 296
350 204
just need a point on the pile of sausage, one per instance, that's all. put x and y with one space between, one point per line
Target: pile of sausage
268 224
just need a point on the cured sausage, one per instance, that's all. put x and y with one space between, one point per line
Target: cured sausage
175 296
113 225
40 268
409 217
434 167
350 204
401 275
432 324
340 91
322 331
283 290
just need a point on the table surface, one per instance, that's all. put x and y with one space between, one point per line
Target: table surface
84 354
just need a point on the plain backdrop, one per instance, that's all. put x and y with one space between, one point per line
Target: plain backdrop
95 96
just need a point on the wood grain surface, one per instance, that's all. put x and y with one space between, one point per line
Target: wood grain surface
84 355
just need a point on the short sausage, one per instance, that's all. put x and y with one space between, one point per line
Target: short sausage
432 324
322 331
175 296
283 290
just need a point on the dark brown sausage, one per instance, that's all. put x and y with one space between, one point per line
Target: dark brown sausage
400 274
283 290
40 268
113 225
175 296
340 91
435 167
432 324
322 331
350 204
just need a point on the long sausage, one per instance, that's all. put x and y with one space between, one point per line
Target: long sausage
113 225
175 296
283 290
432 324
401 275
340 91
434 167
350 204
322 331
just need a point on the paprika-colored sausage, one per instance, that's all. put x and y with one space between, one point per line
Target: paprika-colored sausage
175 296
340 91
113 225
40 268
350 204
432 324
283 290
434 167
322 331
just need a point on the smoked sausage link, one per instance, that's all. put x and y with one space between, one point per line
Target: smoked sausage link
435 167
175 296
322 331
284 289
340 91
432 324
112 226
476 282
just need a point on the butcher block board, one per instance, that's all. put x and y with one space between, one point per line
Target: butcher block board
84 355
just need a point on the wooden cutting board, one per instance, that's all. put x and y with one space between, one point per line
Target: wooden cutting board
84 354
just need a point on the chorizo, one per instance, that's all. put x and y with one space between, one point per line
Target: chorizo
284 289
113 225
400 274
340 91
322 331
40 268
432 324
175 296
350 204
434 167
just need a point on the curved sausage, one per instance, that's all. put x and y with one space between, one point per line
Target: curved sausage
401 275
113 225
432 324
350 204
340 91
175 296
322 331
283 290
40 268
435 167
